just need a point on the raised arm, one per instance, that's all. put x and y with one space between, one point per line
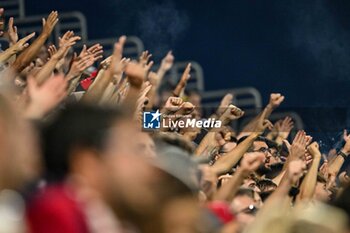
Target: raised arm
49 67
250 162
307 187
32 51
226 162
337 163
275 100
16 48
95 92
230 113
183 81
44 98
165 65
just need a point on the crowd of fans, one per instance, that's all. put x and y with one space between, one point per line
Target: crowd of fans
74 156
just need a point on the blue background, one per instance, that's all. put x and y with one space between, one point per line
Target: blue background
300 48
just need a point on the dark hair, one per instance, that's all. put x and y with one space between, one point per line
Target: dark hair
265 184
258 139
76 126
245 192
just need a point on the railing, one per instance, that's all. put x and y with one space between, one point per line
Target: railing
247 98
196 82
14 8
68 21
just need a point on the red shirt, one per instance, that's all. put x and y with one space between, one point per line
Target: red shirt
54 210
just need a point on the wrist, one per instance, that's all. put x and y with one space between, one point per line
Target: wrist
270 106
34 112
254 134
317 155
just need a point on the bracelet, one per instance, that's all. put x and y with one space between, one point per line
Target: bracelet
342 154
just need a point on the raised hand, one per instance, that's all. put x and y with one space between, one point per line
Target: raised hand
173 104
136 74
120 70
52 50
284 127
232 113
50 23
12 32
45 97
275 100
80 63
117 56
144 58
167 62
96 50
65 45
298 147
314 149
65 39
225 102
183 81
262 124
22 43
62 40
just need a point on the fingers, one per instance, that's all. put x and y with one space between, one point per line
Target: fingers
53 18
236 111
83 51
288 145
144 58
25 39
149 65
10 25
267 124
186 75
176 101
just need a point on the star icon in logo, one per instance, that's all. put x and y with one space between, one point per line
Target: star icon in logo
156 115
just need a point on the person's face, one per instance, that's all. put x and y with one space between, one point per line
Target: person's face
262 147
275 157
321 192
240 205
145 145
129 174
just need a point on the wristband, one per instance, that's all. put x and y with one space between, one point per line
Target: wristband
342 154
